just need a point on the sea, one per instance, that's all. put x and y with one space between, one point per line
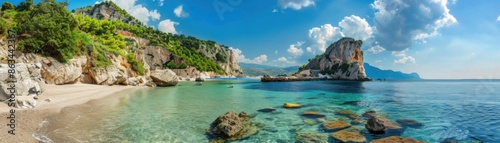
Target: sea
449 110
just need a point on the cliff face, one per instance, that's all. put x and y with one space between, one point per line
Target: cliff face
342 60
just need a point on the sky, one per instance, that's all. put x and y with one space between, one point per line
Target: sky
438 39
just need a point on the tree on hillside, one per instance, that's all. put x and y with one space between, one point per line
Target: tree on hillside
27 5
47 29
7 6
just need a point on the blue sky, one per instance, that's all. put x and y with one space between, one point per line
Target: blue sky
435 38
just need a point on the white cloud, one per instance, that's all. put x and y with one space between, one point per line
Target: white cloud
403 58
296 4
356 27
400 23
160 2
295 49
241 58
309 49
179 12
320 36
498 19
453 1
275 10
168 26
376 49
138 11
282 59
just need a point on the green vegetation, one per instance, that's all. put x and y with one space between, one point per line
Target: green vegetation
302 67
317 57
49 29
7 6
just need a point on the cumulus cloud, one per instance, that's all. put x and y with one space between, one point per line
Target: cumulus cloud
498 19
275 10
295 49
375 49
400 23
309 49
356 27
138 11
168 26
179 12
282 59
403 58
296 4
321 36
241 58
160 2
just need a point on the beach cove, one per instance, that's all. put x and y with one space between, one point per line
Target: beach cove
184 113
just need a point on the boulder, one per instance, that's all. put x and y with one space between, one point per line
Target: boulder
55 72
311 138
374 125
28 83
164 77
227 125
410 123
335 125
396 139
312 114
349 137
291 105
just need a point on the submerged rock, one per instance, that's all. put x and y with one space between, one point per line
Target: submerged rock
410 123
353 103
397 139
309 121
265 110
311 138
349 137
348 113
292 105
369 114
335 125
312 114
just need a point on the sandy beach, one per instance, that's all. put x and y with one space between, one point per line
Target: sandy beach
61 96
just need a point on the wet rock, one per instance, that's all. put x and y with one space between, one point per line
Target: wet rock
266 110
227 125
312 114
243 116
291 105
389 124
375 126
335 125
311 138
321 119
356 121
353 129
410 123
348 113
349 137
397 139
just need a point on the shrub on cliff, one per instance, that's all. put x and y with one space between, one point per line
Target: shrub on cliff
47 29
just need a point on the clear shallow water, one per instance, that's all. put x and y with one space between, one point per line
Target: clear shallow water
462 110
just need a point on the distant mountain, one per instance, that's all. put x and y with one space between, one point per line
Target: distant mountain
259 70
375 73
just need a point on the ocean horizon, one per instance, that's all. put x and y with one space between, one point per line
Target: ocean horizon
448 110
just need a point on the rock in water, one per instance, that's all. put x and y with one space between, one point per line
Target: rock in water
227 125
312 114
335 125
410 123
164 77
375 126
269 109
342 60
397 139
349 137
311 138
291 105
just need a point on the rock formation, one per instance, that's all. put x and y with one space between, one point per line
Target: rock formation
341 60
232 126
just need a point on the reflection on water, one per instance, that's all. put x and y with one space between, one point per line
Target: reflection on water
450 110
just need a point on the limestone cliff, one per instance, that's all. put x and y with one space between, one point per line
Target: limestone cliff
341 60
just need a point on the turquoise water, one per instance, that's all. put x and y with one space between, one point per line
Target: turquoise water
457 109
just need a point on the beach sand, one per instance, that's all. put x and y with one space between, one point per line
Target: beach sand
29 120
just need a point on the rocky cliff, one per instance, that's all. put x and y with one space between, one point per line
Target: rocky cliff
341 60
